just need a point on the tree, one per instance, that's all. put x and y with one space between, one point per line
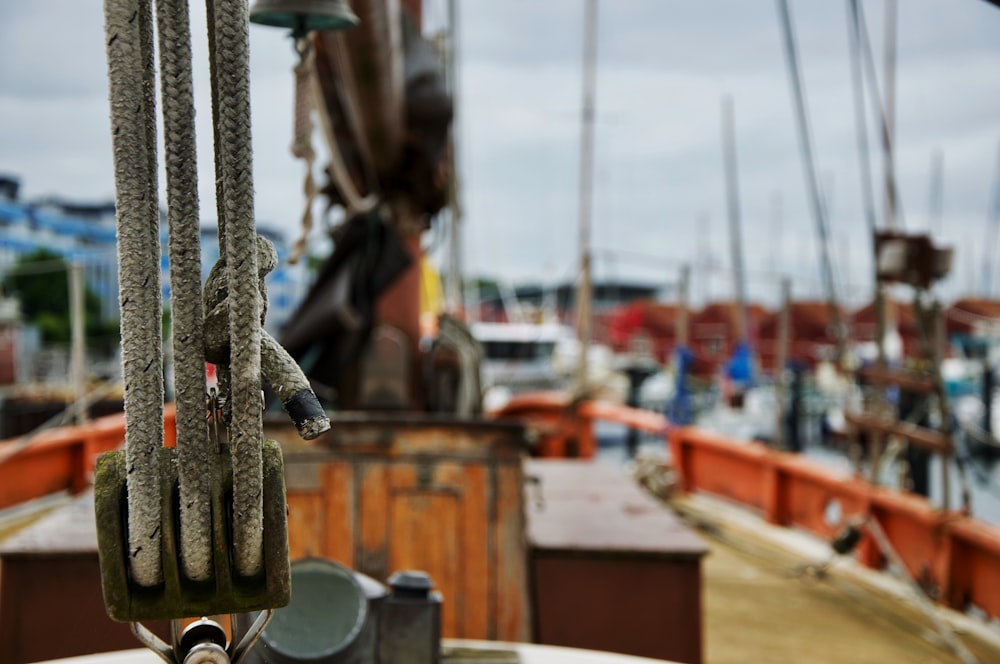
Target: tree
40 281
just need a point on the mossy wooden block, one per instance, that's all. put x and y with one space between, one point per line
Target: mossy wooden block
177 596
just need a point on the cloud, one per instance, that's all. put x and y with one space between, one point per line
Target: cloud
664 67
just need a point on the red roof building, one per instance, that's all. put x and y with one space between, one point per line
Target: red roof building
863 325
810 335
715 334
655 321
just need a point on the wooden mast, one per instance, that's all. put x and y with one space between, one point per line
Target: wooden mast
584 295
817 202
735 236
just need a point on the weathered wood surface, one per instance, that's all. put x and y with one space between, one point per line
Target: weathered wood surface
381 495
613 568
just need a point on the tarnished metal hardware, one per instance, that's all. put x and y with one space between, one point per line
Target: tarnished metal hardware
203 641
847 539
304 15
177 596
411 620
328 621
338 616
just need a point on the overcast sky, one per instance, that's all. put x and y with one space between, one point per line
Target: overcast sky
659 199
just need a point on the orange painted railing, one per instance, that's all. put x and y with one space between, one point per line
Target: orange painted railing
62 458
955 558
562 427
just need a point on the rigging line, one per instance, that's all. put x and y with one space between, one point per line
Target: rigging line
806 150
986 483
61 418
980 434
992 226
947 634
223 376
184 241
235 153
860 120
129 43
817 570
878 109
935 210
889 84
969 317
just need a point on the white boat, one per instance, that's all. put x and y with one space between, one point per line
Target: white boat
518 357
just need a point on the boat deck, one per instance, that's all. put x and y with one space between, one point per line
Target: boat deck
765 602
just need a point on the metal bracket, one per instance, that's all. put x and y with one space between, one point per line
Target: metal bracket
202 642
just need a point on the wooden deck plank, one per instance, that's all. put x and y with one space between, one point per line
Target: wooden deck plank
761 607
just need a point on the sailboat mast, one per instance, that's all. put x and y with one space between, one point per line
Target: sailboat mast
809 169
935 210
453 294
992 232
584 295
890 114
861 124
733 205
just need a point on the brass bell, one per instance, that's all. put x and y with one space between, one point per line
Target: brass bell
303 16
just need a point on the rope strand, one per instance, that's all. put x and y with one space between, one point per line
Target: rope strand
234 155
302 142
130 72
185 287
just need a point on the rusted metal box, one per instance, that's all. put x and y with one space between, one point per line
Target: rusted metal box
611 568
382 492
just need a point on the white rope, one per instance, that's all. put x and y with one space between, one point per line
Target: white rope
129 42
234 159
302 142
185 287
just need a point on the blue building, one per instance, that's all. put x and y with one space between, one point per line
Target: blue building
85 234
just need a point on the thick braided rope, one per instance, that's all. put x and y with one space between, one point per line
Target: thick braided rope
128 33
234 151
185 286
222 370
302 145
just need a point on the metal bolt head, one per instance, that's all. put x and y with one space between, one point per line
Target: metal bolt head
207 653
202 642
411 583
